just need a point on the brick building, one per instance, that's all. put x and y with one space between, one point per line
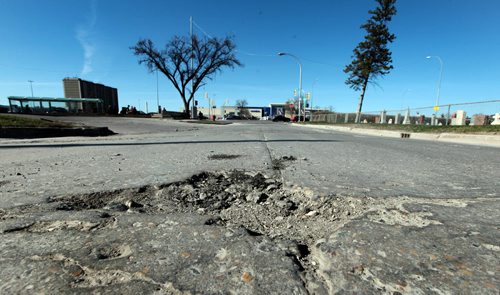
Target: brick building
78 88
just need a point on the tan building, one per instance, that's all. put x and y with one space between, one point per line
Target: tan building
225 111
78 88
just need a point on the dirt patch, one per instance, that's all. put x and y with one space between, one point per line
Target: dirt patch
280 163
223 157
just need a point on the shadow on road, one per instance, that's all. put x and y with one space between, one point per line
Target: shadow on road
16 146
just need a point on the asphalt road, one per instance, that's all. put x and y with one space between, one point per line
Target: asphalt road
153 151
355 214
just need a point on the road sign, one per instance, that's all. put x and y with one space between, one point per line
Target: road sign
436 108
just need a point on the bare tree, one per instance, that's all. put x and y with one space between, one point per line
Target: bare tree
241 105
291 106
209 56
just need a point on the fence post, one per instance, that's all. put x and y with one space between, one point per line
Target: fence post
448 116
407 119
383 117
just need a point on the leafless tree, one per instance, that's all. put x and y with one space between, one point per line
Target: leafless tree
242 104
209 56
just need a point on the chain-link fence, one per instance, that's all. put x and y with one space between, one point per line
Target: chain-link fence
470 113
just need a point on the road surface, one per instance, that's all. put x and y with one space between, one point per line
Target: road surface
435 205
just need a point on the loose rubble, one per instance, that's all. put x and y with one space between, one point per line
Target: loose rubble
297 220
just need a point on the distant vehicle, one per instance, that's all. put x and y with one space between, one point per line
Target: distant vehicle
233 117
301 119
281 118
4 109
58 110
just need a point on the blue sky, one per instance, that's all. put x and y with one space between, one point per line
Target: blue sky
46 41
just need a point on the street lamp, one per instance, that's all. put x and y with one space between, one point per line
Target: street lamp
157 93
439 81
31 86
300 78
312 95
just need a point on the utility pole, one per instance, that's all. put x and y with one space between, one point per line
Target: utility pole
192 66
31 85
157 93
209 106
436 106
300 79
312 96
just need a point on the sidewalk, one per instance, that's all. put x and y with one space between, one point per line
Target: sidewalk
460 138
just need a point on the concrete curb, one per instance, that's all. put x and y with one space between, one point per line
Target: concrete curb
470 139
42 132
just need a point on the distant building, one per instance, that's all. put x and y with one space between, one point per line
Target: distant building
278 109
78 88
256 112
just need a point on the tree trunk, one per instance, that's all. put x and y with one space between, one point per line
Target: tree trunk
360 105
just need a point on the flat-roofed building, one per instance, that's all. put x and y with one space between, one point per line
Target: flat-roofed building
78 88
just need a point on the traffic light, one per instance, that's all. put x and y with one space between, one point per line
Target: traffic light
295 92
196 103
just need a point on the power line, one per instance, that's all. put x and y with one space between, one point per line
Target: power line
255 54
202 30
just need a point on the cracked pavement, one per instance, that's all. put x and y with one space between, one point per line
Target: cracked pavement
158 208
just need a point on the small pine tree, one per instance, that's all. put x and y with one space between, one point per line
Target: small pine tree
372 58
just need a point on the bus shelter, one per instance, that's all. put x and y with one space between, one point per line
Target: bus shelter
24 104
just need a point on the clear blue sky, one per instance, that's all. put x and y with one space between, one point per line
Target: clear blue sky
46 41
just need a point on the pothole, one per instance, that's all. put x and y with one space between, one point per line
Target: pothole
236 198
293 218
4 182
111 252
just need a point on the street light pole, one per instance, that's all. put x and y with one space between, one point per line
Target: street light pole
193 114
312 95
157 93
300 78
31 86
439 81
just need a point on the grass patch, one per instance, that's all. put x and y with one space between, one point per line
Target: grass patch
21 121
489 129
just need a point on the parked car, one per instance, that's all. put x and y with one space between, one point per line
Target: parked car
281 119
233 117
57 110
4 109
